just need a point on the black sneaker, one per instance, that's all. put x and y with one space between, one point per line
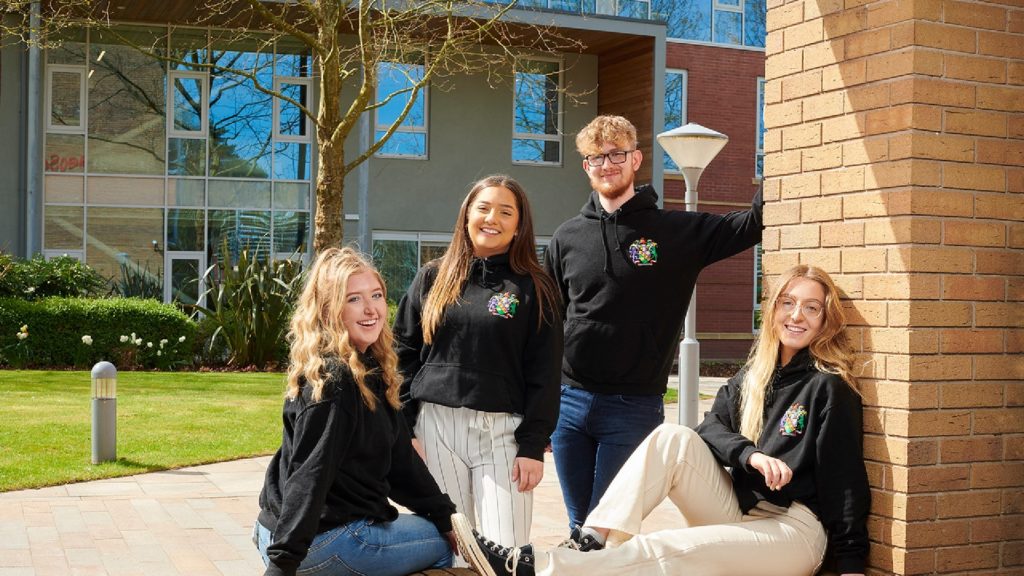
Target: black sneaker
490 558
580 541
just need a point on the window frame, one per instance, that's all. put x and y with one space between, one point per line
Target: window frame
204 113
559 114
425 129
276 134
83 102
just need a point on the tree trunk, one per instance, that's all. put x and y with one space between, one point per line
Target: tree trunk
329 223
330 196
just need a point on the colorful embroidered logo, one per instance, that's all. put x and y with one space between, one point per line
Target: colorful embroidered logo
503 305
643 252
793 421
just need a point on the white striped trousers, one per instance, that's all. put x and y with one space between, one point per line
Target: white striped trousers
470 454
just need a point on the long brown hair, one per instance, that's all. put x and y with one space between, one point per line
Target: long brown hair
831 349
453 270
317 330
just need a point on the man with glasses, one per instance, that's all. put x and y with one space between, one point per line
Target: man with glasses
626 270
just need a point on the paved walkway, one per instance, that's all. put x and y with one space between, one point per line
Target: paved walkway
193 521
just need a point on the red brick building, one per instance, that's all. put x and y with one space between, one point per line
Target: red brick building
722 88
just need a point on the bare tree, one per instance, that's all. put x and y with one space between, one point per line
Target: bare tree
348 41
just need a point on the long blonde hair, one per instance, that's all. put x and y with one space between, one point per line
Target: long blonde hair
453 270
831 349
317 331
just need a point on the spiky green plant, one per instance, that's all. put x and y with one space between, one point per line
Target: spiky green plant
250 304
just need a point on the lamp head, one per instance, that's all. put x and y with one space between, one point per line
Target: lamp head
692 147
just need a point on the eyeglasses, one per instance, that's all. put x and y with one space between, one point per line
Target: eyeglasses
810 309
616 157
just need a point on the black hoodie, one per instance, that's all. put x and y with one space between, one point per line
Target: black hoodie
813 423
339 462
626 279
488 354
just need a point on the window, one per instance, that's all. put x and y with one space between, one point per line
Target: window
127 99
396 83
152 165
537 118
240 128
291 124
634 8
399 255
757 289
65 97
759 137
732 22
675 106
189 108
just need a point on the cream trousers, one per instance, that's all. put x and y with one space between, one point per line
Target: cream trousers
718 539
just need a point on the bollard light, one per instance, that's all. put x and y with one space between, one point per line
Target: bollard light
104 413
692 148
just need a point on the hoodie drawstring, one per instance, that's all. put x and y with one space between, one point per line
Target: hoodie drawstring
604 241
607 252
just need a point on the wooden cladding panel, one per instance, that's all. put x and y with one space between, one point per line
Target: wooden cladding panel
626 88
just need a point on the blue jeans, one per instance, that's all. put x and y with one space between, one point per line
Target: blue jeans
595 435
370 548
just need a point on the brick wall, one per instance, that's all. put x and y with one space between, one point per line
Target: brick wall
896 162
722 95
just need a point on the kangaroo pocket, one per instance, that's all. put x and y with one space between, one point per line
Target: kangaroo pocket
612 354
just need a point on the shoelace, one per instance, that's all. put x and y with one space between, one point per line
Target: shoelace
570 544
513 560
512 556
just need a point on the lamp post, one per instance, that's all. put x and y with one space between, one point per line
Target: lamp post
104 413
692 148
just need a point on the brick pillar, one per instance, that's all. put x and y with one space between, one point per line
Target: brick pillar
896 162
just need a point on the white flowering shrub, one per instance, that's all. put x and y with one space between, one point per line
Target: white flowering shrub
78 332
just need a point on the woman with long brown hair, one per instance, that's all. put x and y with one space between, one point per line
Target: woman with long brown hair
346 450
480 346
788 427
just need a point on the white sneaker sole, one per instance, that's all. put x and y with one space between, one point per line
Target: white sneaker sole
468 546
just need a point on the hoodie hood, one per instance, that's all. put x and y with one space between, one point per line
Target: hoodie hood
489 271
645 198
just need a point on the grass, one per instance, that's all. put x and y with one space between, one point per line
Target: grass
164 420
672 396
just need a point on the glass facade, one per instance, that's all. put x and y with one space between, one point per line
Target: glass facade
728 22
162 164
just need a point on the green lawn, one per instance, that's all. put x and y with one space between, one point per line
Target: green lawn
672 396
164 420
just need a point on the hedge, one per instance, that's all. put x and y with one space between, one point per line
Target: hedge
56 328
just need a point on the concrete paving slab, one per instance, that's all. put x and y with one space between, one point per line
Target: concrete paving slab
194 521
